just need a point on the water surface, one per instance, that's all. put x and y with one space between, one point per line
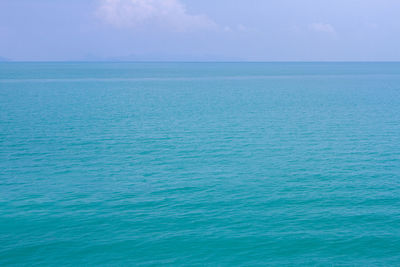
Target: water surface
200 164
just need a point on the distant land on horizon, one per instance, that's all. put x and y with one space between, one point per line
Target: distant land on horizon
177 58
161 57
174 58
116 60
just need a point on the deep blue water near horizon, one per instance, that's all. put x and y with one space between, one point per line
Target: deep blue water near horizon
200 164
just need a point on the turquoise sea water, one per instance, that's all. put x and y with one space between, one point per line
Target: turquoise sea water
200 164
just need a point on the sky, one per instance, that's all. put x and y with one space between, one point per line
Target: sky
200 30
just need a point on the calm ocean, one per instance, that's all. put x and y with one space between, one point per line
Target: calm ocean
200 164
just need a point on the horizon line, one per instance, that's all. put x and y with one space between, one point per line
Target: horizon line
200 61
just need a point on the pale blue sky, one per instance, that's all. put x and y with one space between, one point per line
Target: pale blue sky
196 30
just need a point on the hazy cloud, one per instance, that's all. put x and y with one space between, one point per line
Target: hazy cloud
169 14
322 27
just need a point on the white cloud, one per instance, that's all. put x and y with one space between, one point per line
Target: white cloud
169 14
323 28
242 28
228 29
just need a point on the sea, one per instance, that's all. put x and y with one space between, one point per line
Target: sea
200 164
